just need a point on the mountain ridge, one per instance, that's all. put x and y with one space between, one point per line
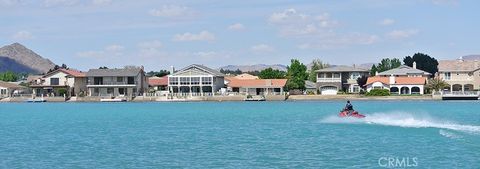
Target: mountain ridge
18 58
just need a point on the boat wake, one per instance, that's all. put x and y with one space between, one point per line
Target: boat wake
406 120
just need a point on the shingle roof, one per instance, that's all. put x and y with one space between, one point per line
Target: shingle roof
458 65
207 69
10 85
113 72
403 70
71 72
158 81
342 69
256 83
398 80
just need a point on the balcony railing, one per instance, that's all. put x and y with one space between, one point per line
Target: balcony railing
329 80
112 83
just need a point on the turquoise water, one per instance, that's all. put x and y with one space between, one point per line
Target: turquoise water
427 134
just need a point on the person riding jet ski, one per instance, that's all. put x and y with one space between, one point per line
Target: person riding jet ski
349 107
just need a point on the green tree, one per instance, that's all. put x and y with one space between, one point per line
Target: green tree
270 73
317 64
385 64
373 70
361 81
9 76
424 62
160 73
296 74
437 84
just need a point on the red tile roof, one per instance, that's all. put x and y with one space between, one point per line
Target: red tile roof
256 83
71 72
398 80
158 81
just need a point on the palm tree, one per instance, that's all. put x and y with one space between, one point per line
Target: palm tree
437 84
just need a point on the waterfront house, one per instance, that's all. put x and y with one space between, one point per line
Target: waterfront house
256 86
9 89
339 78
403 85
461 75
158 83
129 81
195 80
405 71
61 81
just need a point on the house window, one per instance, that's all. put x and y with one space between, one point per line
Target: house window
98 80
195 80
184 80
447 75
109 90
321 75
3 91
207 80
377 87
54 81
336 75
173 80
355 75
119 79
130 80
328 75
96 90
355 89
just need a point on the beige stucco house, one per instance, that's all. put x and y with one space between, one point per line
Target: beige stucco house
73 81
461 75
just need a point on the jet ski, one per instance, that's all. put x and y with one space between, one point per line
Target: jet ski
344 113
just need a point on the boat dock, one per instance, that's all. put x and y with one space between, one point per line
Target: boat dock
460 95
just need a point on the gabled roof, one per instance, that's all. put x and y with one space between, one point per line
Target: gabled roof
246 76
403 70
201 67
114 72
458 65
10 85
310 85
158 81
398 80
342 69
256 83
71 72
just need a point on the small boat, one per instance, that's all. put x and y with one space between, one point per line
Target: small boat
344 113
36 100
114 100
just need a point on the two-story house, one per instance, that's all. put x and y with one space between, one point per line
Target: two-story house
461 75
71 82
333 79
403 80
195 80
126 82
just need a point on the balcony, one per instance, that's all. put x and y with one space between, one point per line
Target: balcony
329 79
113 84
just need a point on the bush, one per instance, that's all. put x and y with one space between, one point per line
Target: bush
378 92
62 92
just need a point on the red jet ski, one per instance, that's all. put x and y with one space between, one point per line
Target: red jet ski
345 113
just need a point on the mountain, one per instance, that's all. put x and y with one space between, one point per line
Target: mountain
471 57
18 58
256 67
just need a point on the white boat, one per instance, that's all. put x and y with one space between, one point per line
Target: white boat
114 100
36 100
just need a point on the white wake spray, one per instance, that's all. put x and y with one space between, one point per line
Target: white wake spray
402 119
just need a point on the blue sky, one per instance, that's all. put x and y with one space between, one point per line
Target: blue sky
158 34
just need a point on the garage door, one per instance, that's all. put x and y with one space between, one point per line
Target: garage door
329 90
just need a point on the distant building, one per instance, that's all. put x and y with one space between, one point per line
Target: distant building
158 83
405 71
125 82
195 80
256 86
72 81
246 76
461 75
8 89
333 79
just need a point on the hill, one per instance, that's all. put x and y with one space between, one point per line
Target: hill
19 59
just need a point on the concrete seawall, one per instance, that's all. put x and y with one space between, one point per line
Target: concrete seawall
357 97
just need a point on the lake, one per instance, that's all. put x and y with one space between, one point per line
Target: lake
408 134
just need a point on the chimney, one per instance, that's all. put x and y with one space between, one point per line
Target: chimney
172 69
415 65
376 73
392 79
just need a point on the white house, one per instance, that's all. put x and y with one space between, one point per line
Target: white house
397 85
195 80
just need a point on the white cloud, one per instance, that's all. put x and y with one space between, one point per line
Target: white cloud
10 2
387 22
262 48
22 35
236 27
52 3
402 34
202 36
101 2
316 30
171 11
108 52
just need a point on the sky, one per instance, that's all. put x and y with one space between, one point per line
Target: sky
158 34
